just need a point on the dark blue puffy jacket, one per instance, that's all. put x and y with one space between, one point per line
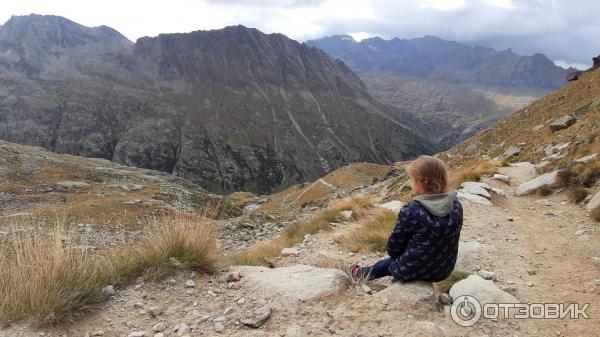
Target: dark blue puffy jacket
424 242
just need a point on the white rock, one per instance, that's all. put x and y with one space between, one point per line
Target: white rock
290 252
586 159
346 214
482 290
476 189
394 205
155 311
159 327
476 199
365 288
190 283
501 177
297 282
549 179
181 329
219 328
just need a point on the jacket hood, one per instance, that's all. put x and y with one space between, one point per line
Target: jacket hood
437 204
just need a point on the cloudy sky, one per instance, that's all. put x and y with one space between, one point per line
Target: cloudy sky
565 30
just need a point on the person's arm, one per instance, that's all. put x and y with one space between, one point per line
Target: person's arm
401 234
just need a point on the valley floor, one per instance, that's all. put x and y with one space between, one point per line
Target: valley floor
541 251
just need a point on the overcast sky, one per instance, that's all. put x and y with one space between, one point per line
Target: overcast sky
567 31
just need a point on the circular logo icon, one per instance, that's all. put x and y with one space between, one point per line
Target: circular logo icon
466 310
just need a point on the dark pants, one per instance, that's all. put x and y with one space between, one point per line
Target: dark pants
380 269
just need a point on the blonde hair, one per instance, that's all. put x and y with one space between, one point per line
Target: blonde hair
431 172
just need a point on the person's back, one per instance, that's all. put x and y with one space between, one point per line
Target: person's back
424 243
434 222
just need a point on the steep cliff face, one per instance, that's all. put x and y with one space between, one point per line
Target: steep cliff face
232 109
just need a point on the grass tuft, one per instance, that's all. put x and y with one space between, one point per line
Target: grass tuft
473 172
374 232
43 280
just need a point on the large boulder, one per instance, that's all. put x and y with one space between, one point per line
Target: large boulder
562 123
297 282
512 152
483 290
475 188
545 180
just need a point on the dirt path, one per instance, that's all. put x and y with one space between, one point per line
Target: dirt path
533 250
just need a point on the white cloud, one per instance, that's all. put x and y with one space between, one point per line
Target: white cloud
564 30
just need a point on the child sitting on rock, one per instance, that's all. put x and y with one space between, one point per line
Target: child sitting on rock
424 243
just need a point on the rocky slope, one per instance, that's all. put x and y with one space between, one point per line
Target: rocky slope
553 131
232 109
432 83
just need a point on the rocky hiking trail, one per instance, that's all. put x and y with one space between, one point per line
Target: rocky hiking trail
537 249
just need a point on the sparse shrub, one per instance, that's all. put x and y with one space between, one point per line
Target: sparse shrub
374 232
578 194
358 205
544 191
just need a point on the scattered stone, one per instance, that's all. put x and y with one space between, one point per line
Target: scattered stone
258 317
346 214
537 128
394 205
545 180
190 284
529 284
71 185
562 123
181 329
501 177
229 277
108 290
574 76
299 282
160 334
228 311
365 288
484 291
290 252
486 275
219 328
512 152
155 311
159 327
138 334
445 299
133 202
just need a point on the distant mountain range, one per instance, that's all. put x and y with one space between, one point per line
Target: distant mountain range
444 89
230 109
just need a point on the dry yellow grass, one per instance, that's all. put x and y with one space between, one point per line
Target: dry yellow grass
264 253
373 234
473 172
46 282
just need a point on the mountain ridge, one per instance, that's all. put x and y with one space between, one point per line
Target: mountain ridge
230 109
